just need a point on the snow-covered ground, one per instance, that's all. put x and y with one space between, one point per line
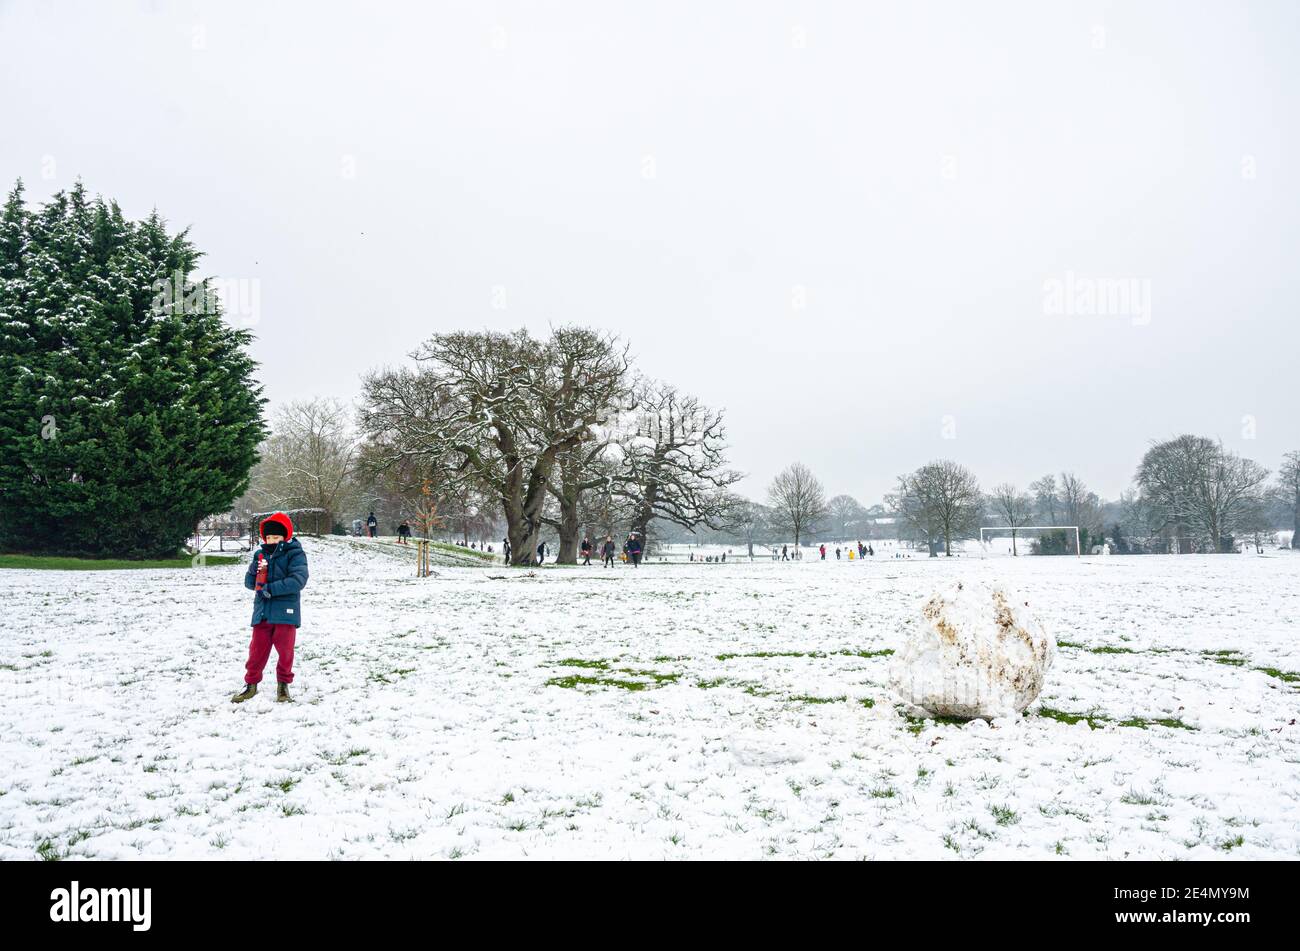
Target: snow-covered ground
672 711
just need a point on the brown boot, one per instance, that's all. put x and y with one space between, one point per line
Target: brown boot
282 694
249 691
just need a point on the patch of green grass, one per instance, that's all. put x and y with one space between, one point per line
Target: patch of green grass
49 852
577 680
970 825
1232 658
916 724
1142 723
1004 815
883 792
716 682
1071 718
1284 675
771 654
342 758
1135 798
1067 644
654 675
867 702
1111 650
1093 719
461 551
289 809
283 785
58 563
1227 845
579 662
811 699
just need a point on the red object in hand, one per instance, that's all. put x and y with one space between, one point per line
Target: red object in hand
260 581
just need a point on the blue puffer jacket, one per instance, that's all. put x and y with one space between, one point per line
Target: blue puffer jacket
286 575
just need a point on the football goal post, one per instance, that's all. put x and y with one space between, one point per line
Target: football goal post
1020 529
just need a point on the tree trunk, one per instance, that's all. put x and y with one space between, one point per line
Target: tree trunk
644 515
1013 543
1295 520
523 510
569 530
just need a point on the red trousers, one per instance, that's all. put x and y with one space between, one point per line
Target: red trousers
259 651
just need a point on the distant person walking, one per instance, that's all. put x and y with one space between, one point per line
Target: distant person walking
586 550
822 549
403 532
372 525
607 551
634 550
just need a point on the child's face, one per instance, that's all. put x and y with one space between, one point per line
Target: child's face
274 539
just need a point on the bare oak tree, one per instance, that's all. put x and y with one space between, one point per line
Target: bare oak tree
309 461
1047 499
847 517
797 500
1079 506
939 500
1287 492
577 471
1013 507
1194 487
500 409
672 461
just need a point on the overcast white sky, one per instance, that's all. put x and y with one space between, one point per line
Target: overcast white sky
836 220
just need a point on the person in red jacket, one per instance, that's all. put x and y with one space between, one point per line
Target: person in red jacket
276 576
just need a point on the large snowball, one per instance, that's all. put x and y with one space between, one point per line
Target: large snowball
977 651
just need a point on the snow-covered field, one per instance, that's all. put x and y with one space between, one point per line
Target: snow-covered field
672 711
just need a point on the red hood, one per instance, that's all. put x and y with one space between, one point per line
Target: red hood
276 517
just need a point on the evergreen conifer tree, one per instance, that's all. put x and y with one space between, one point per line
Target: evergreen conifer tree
127 414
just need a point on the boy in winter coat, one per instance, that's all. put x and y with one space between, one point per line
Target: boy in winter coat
276 575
